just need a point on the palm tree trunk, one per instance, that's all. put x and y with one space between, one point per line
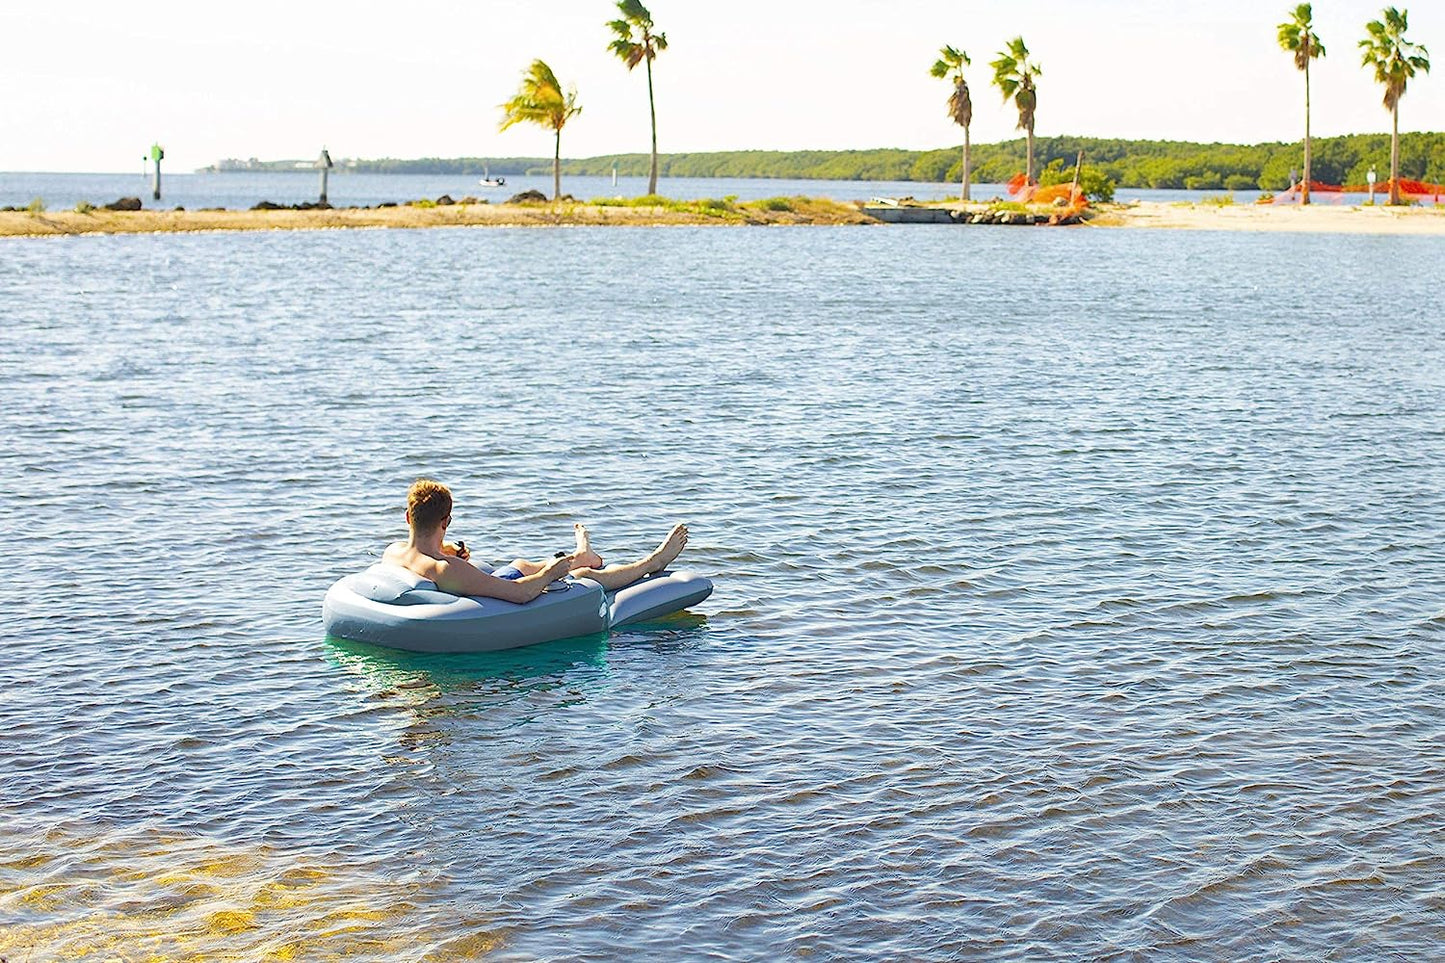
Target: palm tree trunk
966 166
1305 191
557 168
1029 164
1395 156
652 108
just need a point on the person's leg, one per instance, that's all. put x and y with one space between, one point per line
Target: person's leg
584 557
614 577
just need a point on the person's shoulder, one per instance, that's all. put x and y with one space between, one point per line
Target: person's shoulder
418 563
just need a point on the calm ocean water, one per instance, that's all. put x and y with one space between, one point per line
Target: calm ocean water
239 190
1080 594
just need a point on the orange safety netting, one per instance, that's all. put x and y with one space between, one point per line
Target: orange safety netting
1024 192
1412 191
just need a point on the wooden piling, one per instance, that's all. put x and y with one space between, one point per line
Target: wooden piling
324 164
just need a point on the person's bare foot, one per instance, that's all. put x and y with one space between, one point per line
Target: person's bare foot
670 548
584 556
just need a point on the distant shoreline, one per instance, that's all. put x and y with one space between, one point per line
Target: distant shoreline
778 212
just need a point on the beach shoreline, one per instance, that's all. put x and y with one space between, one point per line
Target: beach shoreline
1319 218
563 214
1274 218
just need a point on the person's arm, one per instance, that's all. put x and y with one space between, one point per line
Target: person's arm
462 578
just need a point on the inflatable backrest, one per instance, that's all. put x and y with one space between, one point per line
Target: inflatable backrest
423 596
388 583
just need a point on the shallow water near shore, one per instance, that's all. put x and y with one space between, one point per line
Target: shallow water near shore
1079 595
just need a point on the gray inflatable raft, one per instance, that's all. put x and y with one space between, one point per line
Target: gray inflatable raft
391 606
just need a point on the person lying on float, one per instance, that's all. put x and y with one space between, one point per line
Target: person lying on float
427 554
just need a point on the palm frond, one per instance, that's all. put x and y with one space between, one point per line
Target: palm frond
635 12
1394 59
949 66
635 40
1027 101
540 100
1297 36
960 104
949 59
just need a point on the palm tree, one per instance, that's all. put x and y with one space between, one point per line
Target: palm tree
1297 36
634 44
1395 60
960 104
1014 73
541 101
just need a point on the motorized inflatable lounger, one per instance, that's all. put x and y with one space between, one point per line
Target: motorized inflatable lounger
391 606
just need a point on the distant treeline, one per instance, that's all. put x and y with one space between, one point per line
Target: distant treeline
1129 163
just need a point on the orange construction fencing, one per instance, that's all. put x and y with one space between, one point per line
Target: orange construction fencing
1412 191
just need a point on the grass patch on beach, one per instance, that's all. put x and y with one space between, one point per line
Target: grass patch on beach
730 209
815 209
708 207
773 204
1209 200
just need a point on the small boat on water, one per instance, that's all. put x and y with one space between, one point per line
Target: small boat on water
489 181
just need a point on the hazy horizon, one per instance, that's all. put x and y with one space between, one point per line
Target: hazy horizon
853 75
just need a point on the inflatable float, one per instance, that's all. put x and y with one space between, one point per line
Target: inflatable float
394 607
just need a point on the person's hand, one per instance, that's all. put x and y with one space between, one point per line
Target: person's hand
458 550
558 567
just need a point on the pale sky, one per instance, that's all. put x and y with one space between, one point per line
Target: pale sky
87 85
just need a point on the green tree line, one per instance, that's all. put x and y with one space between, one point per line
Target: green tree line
1128 163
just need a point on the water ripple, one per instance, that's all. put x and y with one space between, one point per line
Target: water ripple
1098 616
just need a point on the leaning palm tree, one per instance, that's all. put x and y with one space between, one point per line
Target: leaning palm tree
1014 73
636 43
540 100
960 104
1395 60
1297 36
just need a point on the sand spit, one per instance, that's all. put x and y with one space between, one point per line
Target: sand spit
1318 218
797 211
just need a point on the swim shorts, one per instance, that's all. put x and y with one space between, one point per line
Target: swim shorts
509 572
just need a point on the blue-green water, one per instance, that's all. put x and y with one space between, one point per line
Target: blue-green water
1079 594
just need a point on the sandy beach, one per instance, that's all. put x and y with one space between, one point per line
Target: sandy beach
799 211
1318 218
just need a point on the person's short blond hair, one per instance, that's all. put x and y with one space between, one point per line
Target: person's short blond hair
428 503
